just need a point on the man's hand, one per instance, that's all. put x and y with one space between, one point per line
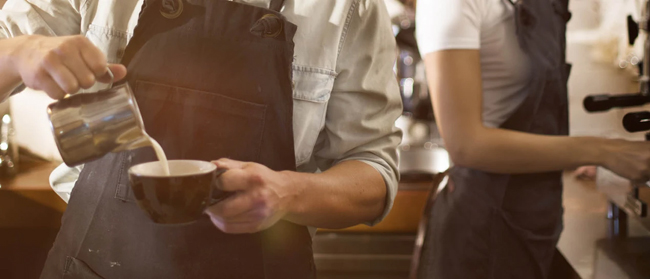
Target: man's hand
262 197
60 65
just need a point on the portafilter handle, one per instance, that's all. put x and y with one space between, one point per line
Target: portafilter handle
596 103
637 121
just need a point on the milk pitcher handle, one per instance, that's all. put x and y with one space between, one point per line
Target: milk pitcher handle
112 76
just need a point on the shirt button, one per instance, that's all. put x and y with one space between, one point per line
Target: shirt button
120 53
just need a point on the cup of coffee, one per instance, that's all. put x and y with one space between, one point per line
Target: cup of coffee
177 198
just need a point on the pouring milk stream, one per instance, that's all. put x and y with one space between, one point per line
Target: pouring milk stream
160 153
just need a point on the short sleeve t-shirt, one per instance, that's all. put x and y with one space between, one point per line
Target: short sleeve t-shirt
486 25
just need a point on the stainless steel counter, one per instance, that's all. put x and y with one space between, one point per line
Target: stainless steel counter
590 243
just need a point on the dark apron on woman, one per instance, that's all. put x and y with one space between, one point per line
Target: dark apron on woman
213 80
507 226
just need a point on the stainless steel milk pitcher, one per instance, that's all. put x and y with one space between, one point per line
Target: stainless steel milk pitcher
87 126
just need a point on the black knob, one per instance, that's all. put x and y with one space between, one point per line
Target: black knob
637 121
606 102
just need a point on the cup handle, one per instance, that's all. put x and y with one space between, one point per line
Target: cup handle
218 194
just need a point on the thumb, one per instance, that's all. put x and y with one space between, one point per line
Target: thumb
119 73
225 163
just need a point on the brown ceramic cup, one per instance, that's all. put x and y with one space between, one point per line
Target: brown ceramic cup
180 197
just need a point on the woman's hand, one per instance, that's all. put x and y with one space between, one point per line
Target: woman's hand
262 197
59 65
629 159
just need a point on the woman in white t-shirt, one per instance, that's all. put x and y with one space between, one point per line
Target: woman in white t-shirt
497 80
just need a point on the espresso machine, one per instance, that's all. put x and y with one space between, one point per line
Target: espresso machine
422 152
638 198
8 146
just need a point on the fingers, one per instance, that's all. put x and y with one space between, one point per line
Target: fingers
64 78
235 228
82 60
240 176
236 205
75 63
45 83
238 180
256 204
94 58
96 64
60 65
248 217
229 164
586 173
249 221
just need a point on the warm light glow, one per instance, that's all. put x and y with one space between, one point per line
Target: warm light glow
6 119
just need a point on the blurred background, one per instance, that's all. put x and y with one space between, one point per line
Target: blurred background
606 57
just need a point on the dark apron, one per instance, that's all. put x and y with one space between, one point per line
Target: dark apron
213 80
507 226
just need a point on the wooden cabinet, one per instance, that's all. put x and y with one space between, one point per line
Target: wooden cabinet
405 214
30 217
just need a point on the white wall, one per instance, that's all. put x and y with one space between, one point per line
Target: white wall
33 130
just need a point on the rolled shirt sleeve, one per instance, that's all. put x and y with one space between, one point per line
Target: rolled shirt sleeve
48 18
365 100
39 17
42 17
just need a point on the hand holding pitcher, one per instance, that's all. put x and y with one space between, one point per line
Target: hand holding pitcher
60 65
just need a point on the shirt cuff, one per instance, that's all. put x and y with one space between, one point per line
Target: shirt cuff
391 178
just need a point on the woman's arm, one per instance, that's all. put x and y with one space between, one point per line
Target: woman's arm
456 91
9 78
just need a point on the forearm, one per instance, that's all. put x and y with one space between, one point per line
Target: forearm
348 194
506 151
457 94
9 78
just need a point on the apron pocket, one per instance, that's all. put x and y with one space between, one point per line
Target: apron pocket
77 269
123 193
199 125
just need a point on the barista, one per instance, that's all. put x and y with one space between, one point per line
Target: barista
274 86
497 75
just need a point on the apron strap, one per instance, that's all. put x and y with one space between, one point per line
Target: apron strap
276 5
